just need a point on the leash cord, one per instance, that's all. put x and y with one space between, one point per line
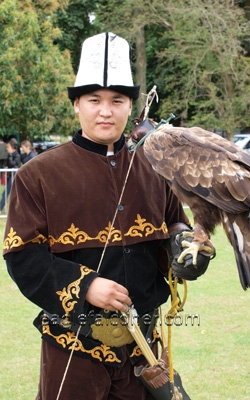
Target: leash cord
176 306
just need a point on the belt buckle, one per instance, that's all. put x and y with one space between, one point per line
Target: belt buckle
111 332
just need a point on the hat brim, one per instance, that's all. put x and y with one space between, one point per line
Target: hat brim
130 91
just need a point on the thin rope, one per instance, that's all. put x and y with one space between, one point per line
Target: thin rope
98 269
116 211
68 363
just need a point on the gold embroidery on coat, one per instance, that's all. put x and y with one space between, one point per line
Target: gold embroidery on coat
73 289
115 234
74 236
13 240
144 227
137 351
67 340
156 336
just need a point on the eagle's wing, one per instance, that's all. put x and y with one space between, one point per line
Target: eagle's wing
202 163
212 176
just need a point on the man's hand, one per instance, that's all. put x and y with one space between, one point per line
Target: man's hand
182 261
108 294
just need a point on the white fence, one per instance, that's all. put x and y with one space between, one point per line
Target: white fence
7 176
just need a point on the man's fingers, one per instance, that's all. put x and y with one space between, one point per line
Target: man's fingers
108 294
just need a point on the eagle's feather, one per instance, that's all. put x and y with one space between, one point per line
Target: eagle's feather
212 176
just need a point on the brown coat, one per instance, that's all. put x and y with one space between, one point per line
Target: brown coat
61 208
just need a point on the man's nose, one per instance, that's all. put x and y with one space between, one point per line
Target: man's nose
105 110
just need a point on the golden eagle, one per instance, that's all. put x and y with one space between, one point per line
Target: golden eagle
212 176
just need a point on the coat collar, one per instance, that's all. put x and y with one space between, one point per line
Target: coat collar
101 149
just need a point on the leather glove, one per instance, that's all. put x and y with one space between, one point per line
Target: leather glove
186 270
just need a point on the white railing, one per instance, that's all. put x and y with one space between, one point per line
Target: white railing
6 179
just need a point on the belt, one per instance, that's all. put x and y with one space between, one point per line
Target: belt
108 327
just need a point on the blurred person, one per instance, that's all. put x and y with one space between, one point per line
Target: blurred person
13 161
28 151
3 153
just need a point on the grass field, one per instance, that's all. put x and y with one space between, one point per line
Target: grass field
213 358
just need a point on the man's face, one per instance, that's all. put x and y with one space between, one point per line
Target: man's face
103 115
9 148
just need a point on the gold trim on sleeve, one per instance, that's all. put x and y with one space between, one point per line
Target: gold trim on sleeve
66 295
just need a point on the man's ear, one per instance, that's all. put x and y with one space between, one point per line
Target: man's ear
76 105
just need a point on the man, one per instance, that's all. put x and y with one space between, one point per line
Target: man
3 153
13 161
83 251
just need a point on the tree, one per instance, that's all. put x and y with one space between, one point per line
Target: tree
205 45
75 24
34 72
125 18
197 58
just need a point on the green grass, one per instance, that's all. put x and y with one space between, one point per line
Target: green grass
213 359
19 340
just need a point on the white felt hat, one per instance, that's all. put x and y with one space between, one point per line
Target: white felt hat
104 63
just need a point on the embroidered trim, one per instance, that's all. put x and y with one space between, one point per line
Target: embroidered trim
144 227
137 351
67 340
115 234
73 289
13 240
74 236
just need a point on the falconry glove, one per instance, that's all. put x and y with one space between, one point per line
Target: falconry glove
183 260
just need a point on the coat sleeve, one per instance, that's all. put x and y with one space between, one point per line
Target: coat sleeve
55 284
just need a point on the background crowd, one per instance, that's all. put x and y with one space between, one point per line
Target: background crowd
12 156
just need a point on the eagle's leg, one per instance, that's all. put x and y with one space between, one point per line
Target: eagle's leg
200 242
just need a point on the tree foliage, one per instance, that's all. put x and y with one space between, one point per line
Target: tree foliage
34 72
75 24
206 47
195 54
127 19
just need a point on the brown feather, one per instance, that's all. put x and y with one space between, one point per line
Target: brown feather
212 176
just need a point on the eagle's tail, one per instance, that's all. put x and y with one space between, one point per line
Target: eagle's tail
238 231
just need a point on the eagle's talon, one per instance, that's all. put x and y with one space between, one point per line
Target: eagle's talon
193 248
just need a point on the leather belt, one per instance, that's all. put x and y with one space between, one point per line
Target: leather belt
110 328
